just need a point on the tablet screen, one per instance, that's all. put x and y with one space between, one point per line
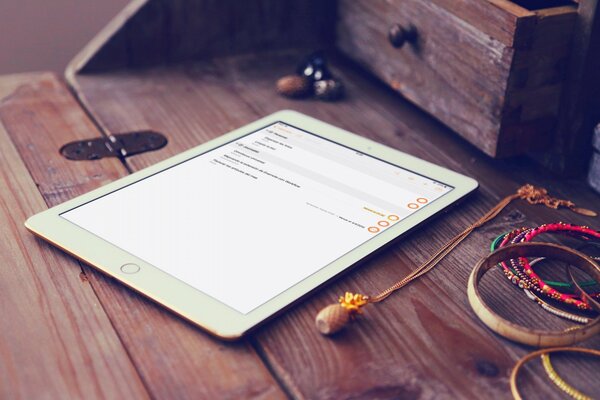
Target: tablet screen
248 220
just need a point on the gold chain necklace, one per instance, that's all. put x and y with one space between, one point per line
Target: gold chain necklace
335 316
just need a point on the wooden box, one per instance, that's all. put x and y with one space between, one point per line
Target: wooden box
510 77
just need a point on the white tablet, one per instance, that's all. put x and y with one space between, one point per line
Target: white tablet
231 232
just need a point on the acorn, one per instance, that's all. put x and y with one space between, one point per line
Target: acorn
294 86
329 89
335 317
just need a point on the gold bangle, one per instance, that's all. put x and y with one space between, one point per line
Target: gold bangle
518 333
516 369
594 305
560 382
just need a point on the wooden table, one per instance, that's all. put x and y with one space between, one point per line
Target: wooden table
67 331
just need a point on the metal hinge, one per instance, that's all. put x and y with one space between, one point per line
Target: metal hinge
120 145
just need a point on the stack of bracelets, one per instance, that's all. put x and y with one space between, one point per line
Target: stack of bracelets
521 273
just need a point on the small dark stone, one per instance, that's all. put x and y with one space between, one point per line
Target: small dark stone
314 67
329 89
397 35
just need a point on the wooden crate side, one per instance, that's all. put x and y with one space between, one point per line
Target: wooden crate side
150 32
108 48
580 101
535 87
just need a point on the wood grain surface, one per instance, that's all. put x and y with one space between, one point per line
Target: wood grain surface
423 342
56 340
496 18
140 346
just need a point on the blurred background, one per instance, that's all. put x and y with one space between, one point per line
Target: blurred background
40 35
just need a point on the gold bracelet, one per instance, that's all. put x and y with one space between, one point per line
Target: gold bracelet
560 382
594 304
518 333
516 369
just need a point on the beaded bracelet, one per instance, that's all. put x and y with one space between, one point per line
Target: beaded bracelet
558 382
533 282
534 296
522 273
556 284
546 289
518 333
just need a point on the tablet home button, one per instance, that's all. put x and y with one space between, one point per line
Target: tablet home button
130 268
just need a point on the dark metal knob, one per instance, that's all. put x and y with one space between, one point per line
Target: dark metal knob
398 35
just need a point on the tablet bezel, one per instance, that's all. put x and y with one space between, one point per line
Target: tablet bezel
196 306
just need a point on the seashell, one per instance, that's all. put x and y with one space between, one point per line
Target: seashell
294 86
332 319
329 89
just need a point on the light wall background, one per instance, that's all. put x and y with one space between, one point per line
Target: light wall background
43 35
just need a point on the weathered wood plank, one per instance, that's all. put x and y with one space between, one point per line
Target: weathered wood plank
453 71
173 358
425 341
56 340
496 18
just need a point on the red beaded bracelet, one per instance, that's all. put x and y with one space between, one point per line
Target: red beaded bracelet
546 289
523 274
